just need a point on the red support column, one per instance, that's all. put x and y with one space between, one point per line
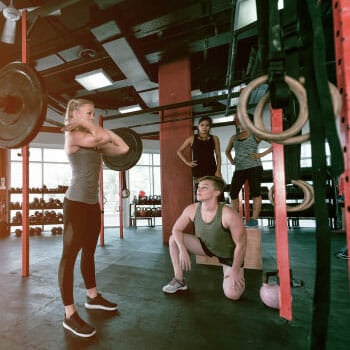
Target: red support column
246 201
25 172
4 191
341 20
102 229
282 248
176 178
121 224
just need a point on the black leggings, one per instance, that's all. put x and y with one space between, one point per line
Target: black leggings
82 224
254 177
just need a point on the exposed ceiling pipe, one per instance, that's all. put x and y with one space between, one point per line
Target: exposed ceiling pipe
170 106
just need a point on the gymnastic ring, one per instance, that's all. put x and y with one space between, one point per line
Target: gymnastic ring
298 90
308 196
279 138
311 189
336 102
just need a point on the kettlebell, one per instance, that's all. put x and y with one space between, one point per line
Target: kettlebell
270 290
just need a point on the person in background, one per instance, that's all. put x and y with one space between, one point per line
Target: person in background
206 154
247 167
85 141
219 232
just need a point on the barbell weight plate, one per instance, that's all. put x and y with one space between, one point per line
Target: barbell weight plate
23 105
128 160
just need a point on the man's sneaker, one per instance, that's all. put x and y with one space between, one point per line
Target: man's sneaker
78 326
174 285
343 255
100 303
252 223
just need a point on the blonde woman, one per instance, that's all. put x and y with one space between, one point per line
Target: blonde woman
85 141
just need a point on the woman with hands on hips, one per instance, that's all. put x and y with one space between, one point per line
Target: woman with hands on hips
248 167
206 154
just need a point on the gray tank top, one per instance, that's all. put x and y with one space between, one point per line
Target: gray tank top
216 238
84 186
243 149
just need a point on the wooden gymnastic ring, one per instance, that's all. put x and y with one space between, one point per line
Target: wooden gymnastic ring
308 196
336 102
258 121
278 138
298 90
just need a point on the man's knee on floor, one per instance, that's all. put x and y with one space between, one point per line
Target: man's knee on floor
232 292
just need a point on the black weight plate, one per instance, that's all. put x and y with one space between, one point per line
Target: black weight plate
23 105
128 160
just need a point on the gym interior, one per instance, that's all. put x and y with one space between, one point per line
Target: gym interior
169 64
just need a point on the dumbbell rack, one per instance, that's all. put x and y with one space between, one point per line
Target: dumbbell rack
147 208
45 210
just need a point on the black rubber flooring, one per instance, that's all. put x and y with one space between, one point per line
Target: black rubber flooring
133 270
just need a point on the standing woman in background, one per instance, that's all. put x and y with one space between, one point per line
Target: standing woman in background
206 154
248 167
85 141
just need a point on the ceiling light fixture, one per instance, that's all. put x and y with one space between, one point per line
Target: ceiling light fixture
226 119
94 80
129 109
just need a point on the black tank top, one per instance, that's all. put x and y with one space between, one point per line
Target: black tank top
203 153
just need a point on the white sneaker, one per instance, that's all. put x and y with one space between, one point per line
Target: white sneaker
174 285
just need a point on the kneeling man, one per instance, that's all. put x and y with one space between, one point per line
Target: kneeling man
219 232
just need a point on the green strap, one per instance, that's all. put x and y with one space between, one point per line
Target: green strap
322 129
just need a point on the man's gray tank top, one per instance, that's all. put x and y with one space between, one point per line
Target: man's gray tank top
84 186
216 238
243 149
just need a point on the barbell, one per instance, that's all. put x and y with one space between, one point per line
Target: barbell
23 108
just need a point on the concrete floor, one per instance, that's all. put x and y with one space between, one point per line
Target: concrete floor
132 271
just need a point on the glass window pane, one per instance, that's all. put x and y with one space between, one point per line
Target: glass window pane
156 180
139 181
111 197
56 174
144 160
16 174
156 159
16 154
35 154
55 155
35 175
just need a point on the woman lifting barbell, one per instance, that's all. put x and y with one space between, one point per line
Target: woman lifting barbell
85 142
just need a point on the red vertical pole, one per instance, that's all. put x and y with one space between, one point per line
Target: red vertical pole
25 173
246 201
282 249
102 229
4 215
121 224
176 178
341 20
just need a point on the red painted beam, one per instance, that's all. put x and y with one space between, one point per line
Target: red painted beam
102 229
25 172
341 20
282 247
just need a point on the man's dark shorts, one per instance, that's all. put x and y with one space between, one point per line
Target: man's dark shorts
225 261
